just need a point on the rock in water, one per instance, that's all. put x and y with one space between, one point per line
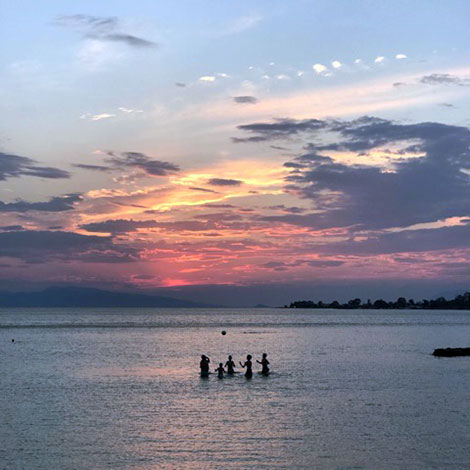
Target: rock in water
451 352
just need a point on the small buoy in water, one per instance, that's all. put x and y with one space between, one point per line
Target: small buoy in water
12 340
224 332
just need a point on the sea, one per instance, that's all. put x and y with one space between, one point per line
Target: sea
91 389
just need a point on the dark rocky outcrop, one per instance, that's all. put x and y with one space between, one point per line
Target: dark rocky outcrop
451 352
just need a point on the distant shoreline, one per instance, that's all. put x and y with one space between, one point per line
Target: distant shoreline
460 302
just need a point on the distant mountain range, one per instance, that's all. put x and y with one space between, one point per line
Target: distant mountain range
88 297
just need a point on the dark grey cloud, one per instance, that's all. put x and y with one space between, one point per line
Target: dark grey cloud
128 39
444 79
12 228
316 263
224 182
222 206
14 166
55 204
103 28
118 226
143 277
278 147
405 241
143 162
201 223
204 190
138 206
279 129
289 210
433 185
245 99
95 23
45 246
324 263
92 167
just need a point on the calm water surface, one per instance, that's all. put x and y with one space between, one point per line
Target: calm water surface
119 388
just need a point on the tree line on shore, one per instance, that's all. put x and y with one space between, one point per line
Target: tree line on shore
460 302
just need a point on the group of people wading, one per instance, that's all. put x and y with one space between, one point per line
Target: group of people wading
229 368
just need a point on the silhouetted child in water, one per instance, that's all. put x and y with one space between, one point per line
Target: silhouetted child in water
204 364
230 365
249 367
220 371
264 362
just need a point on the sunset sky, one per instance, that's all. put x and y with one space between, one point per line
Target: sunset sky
154 144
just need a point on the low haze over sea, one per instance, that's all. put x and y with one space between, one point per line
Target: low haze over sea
120 388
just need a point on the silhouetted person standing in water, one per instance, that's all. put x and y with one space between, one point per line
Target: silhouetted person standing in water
264 362
220 371
230 365
249 367
204 364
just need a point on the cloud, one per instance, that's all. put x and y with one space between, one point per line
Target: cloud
128 39
45 246
103 28
245 99
336 64
96 117
444 79
323 263
92 167
279 129
320 68
55 204
401 56
118 226
143 162
317 263
225 206
180 84
130 110
12 228
204 190
416 241
14 166
224 182
204 222
379 59
207 78
428 186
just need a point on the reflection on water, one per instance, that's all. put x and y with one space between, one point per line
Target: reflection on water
121 389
